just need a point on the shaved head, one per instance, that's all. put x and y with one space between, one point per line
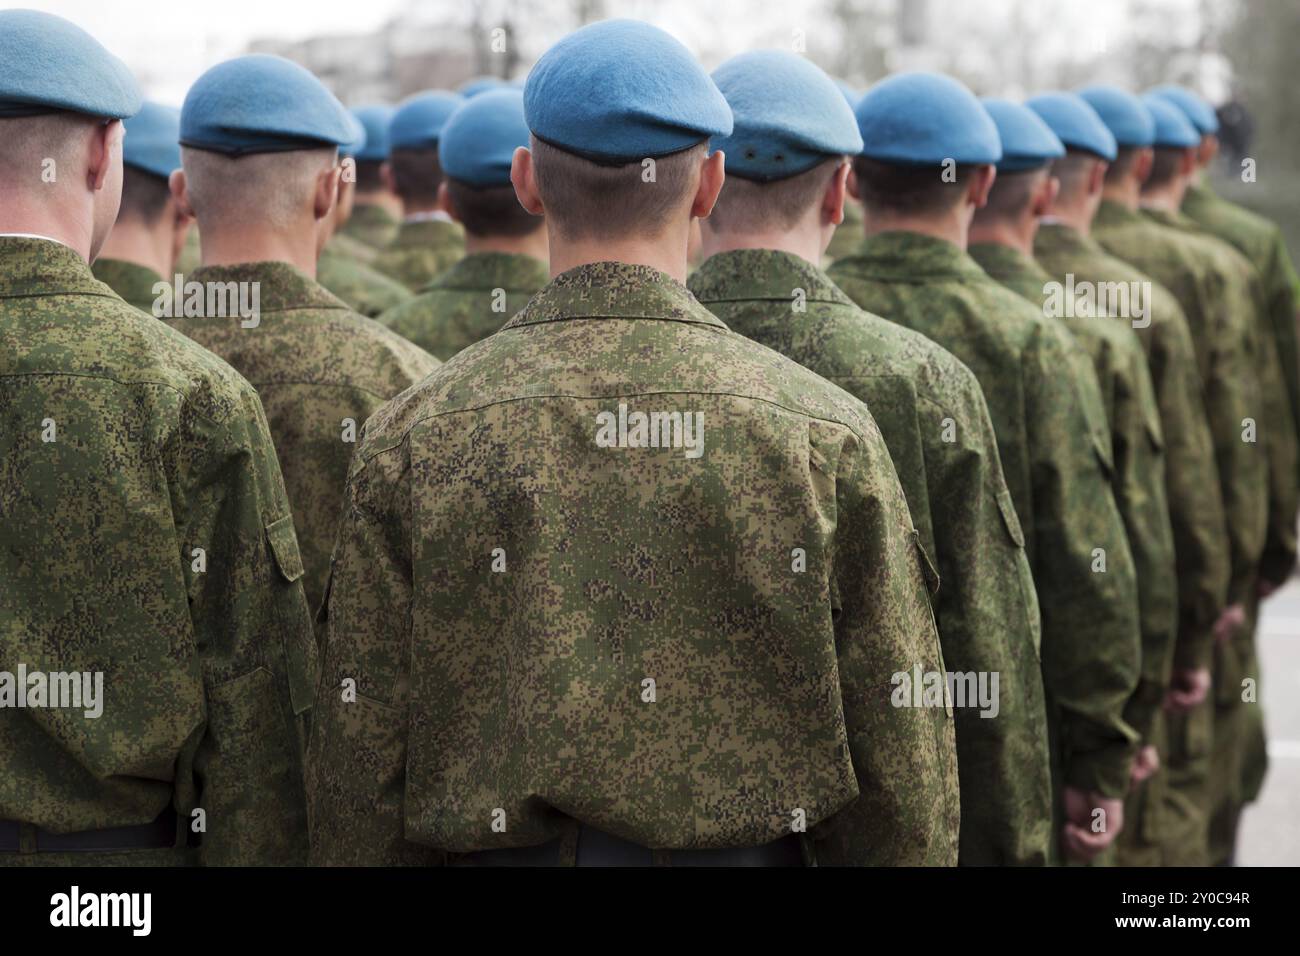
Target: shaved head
263 190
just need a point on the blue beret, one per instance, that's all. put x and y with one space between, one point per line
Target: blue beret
358 140
48 64
924 119
374 120
152 142
850 94
479 84
1193 106
789 116
1076 123
481 137
618 91
1027 142
419 119
262 104
1173 129
1123 113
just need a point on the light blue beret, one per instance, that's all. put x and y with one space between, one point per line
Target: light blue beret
481 137
375 120
1076 123
1128 120
262 104
479 84
48 64
1193 106
358 140
850 94
619 91
924 119
1027 142
789 116
419 119
152 142
1173 129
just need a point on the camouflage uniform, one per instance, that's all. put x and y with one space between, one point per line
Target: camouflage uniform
1058 475
932 414
364 289
159 449
373 225
352 247
316 365
848 235
520 696
1221 306
421 251
133 282
189 258
465 303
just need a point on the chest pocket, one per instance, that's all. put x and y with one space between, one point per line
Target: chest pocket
1028 593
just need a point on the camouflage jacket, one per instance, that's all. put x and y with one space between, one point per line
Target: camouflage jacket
421 251
147 539
1133 432
363 288
1058 474
372 225
468 302
1220 310
1261 242
1191 475
134 283
546 618
848 234
321 371
931 412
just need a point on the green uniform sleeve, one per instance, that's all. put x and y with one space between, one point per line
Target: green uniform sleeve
1282 293
1278 429
1091 644
254 637
907 811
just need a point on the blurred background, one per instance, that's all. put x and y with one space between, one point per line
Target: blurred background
1240 54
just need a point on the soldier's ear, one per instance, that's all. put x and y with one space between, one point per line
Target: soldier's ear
834 197
981 181
1097 177
1142 164
1044 196
445 203
327 191
105 141
713 173
523 176
176 182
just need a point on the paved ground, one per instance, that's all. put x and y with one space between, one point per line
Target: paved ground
1270 833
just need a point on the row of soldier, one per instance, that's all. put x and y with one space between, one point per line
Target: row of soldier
539 643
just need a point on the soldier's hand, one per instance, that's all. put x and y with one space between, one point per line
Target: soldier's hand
1145 764
1092 822
1188 688
1229 622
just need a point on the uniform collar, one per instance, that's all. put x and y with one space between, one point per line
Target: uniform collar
742 275
493 270
132 281
281 286
1000 260
614 290
1059 236
901 256
1111 213
39 266
420 232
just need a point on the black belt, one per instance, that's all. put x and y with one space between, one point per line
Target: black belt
597 848
160 834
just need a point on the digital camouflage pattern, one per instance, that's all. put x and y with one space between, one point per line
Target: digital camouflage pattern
317 366
373 225
353 247
468 302
524 688
365 289
133 282
124 447
1132 424
1058 475
847 235
421 251
931 411
190 256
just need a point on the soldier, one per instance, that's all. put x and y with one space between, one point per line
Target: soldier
849 232
149 561
1249 419
428 242
150 231
786 171
927 165
505 246
555 635
1002 241
260 173
342 265
375 209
